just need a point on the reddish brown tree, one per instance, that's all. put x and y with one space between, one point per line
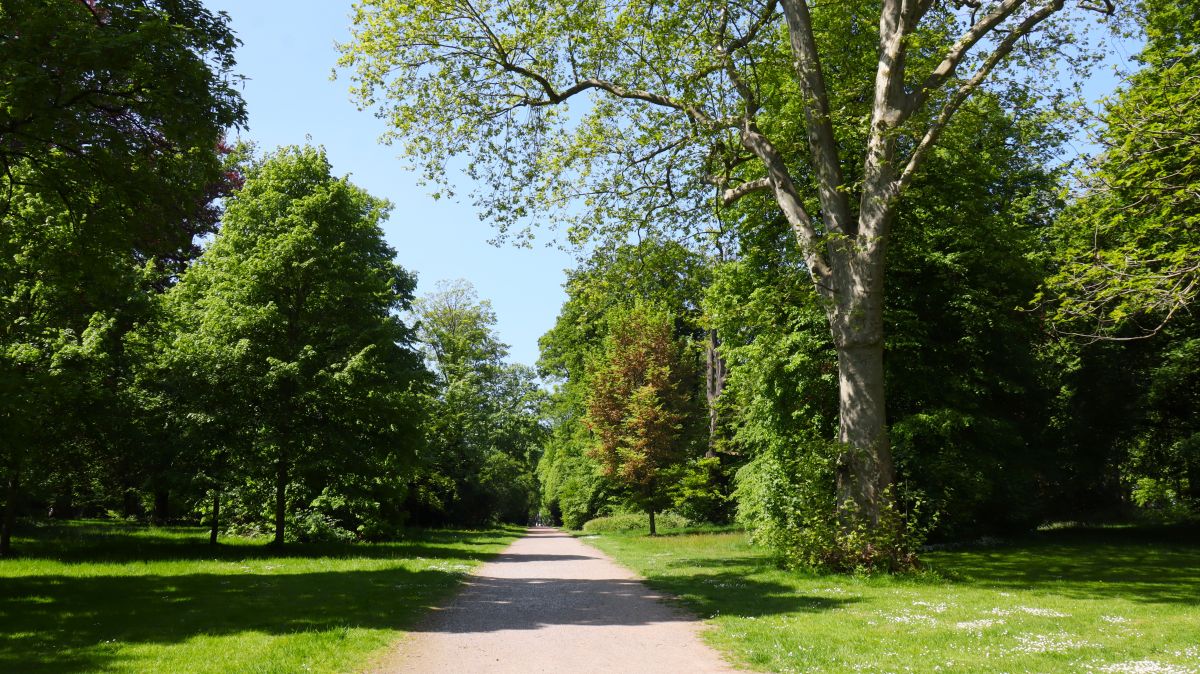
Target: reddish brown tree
636 406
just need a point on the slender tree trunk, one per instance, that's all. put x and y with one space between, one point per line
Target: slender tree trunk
129 502
653 531
216 517
715 373
10 511
281 480
162 506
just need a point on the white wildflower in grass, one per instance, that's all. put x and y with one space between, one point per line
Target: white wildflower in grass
936 608
1143 667
1114 619
1042 612
1048 643
977 625
1000 612
910 618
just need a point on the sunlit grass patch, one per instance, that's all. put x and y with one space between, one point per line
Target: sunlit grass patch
1125 600
86 597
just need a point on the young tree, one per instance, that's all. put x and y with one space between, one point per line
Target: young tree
688 98
636 406
292 313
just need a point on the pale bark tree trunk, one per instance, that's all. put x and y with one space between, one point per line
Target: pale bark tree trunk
281 480
12 491
216 517
715 374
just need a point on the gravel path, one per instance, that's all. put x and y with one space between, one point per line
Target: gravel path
549 603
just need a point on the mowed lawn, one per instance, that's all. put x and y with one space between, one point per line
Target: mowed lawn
1106 600
88 597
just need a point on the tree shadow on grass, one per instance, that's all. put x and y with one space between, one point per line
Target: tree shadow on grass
491 603
97 541
62 623
1143 565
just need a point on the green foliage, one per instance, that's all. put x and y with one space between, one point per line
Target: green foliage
636 406
108 173
484 429
787 503
704 492
286 328
609 282
628 522
1127 248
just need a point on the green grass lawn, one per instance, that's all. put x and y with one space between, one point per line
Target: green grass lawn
1106 601
93 596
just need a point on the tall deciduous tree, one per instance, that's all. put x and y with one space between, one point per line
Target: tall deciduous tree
105 164
688 98
293 312
484 429
636 405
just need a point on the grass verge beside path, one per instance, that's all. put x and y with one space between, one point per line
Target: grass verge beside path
1109 601
94 596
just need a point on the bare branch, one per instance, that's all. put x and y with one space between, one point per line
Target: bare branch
967 88
732 194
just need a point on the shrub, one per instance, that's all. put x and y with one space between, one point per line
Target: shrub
788 504
625 522
704 492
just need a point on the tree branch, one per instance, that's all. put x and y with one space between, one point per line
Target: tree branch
967 88
788 198
821 139
732 194
958 51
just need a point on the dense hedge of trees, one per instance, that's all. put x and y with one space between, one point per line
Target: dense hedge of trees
202 333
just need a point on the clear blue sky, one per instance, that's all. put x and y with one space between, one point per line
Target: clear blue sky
287 54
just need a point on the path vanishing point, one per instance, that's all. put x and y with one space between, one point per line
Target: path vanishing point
550 603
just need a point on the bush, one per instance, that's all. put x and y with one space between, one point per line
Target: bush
626 522
704 492
787 503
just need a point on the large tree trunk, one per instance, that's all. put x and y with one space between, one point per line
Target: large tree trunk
864 469
715 373
216 517
10 511
281 480
653 530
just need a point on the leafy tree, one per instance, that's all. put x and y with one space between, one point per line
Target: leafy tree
85 103
292 314
484 424
637 404
104 166
1130 246
614 279
682 98
1125 254
970 389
